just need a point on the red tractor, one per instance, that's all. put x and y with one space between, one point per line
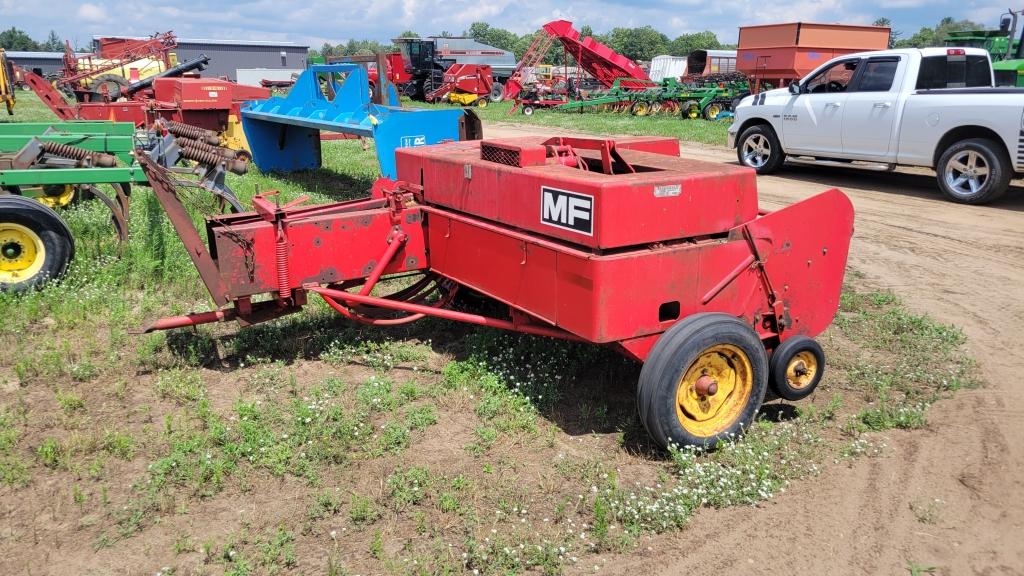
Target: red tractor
620 243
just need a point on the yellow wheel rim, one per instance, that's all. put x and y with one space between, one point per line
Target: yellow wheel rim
714 111
641 109
801 370
704 410
57 196
481 102
21 253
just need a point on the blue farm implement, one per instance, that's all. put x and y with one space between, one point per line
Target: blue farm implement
284 132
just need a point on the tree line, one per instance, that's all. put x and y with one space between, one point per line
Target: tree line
18 40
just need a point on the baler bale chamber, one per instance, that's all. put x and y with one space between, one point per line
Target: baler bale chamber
619 242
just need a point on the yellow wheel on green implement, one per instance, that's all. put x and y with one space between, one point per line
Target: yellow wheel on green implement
691 110
711 111
35 244
57 196
640 108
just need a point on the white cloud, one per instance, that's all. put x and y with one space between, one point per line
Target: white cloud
92 13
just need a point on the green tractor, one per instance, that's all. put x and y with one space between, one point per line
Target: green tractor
1007 52
1009 71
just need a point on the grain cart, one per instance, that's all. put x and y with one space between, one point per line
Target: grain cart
620 243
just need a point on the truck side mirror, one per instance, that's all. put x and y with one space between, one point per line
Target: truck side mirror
794 88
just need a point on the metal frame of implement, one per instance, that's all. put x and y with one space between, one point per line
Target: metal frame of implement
472 214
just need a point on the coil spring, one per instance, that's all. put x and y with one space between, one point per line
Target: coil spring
190 131
213 159
284 283
201 156
184 141
76 153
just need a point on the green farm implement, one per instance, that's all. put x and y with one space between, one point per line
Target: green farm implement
705 97
47 166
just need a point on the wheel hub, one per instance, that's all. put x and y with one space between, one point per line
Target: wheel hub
11 250
21 253
714 390
802 369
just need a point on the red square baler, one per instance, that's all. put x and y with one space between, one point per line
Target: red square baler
616 242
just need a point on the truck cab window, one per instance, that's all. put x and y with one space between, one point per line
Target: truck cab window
835 78
954 72
878 75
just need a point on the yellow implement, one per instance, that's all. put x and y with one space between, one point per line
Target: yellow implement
6 82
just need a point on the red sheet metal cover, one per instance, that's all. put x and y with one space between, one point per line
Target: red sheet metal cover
668 198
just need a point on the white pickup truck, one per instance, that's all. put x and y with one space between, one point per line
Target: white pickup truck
933 107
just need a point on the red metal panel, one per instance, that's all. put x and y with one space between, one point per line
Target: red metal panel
807 263
599 298
668 198
322 249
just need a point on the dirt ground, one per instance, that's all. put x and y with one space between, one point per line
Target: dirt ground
963 265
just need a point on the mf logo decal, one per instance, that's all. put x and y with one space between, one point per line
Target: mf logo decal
567 210
410 141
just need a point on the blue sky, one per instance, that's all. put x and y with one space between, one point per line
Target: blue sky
317 21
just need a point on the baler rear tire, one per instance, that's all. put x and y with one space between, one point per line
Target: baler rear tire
786 378
775 154
35 244
697 343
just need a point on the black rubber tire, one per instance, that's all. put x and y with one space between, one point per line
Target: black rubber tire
739 98
673 354
780 361
497 92
111 80
709 113
685 111
52 231
1000 170
640 108
528 110
775 157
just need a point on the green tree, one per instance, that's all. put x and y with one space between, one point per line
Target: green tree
15 40
53 43
637 43
408 34
686 43
497 37
327 50
894 34
934 36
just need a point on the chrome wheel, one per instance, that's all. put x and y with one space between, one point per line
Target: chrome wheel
966 173
756 151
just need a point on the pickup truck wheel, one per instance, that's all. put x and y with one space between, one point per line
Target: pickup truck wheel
759 148
974 171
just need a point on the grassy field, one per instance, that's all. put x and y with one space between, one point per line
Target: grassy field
607 123
312 445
